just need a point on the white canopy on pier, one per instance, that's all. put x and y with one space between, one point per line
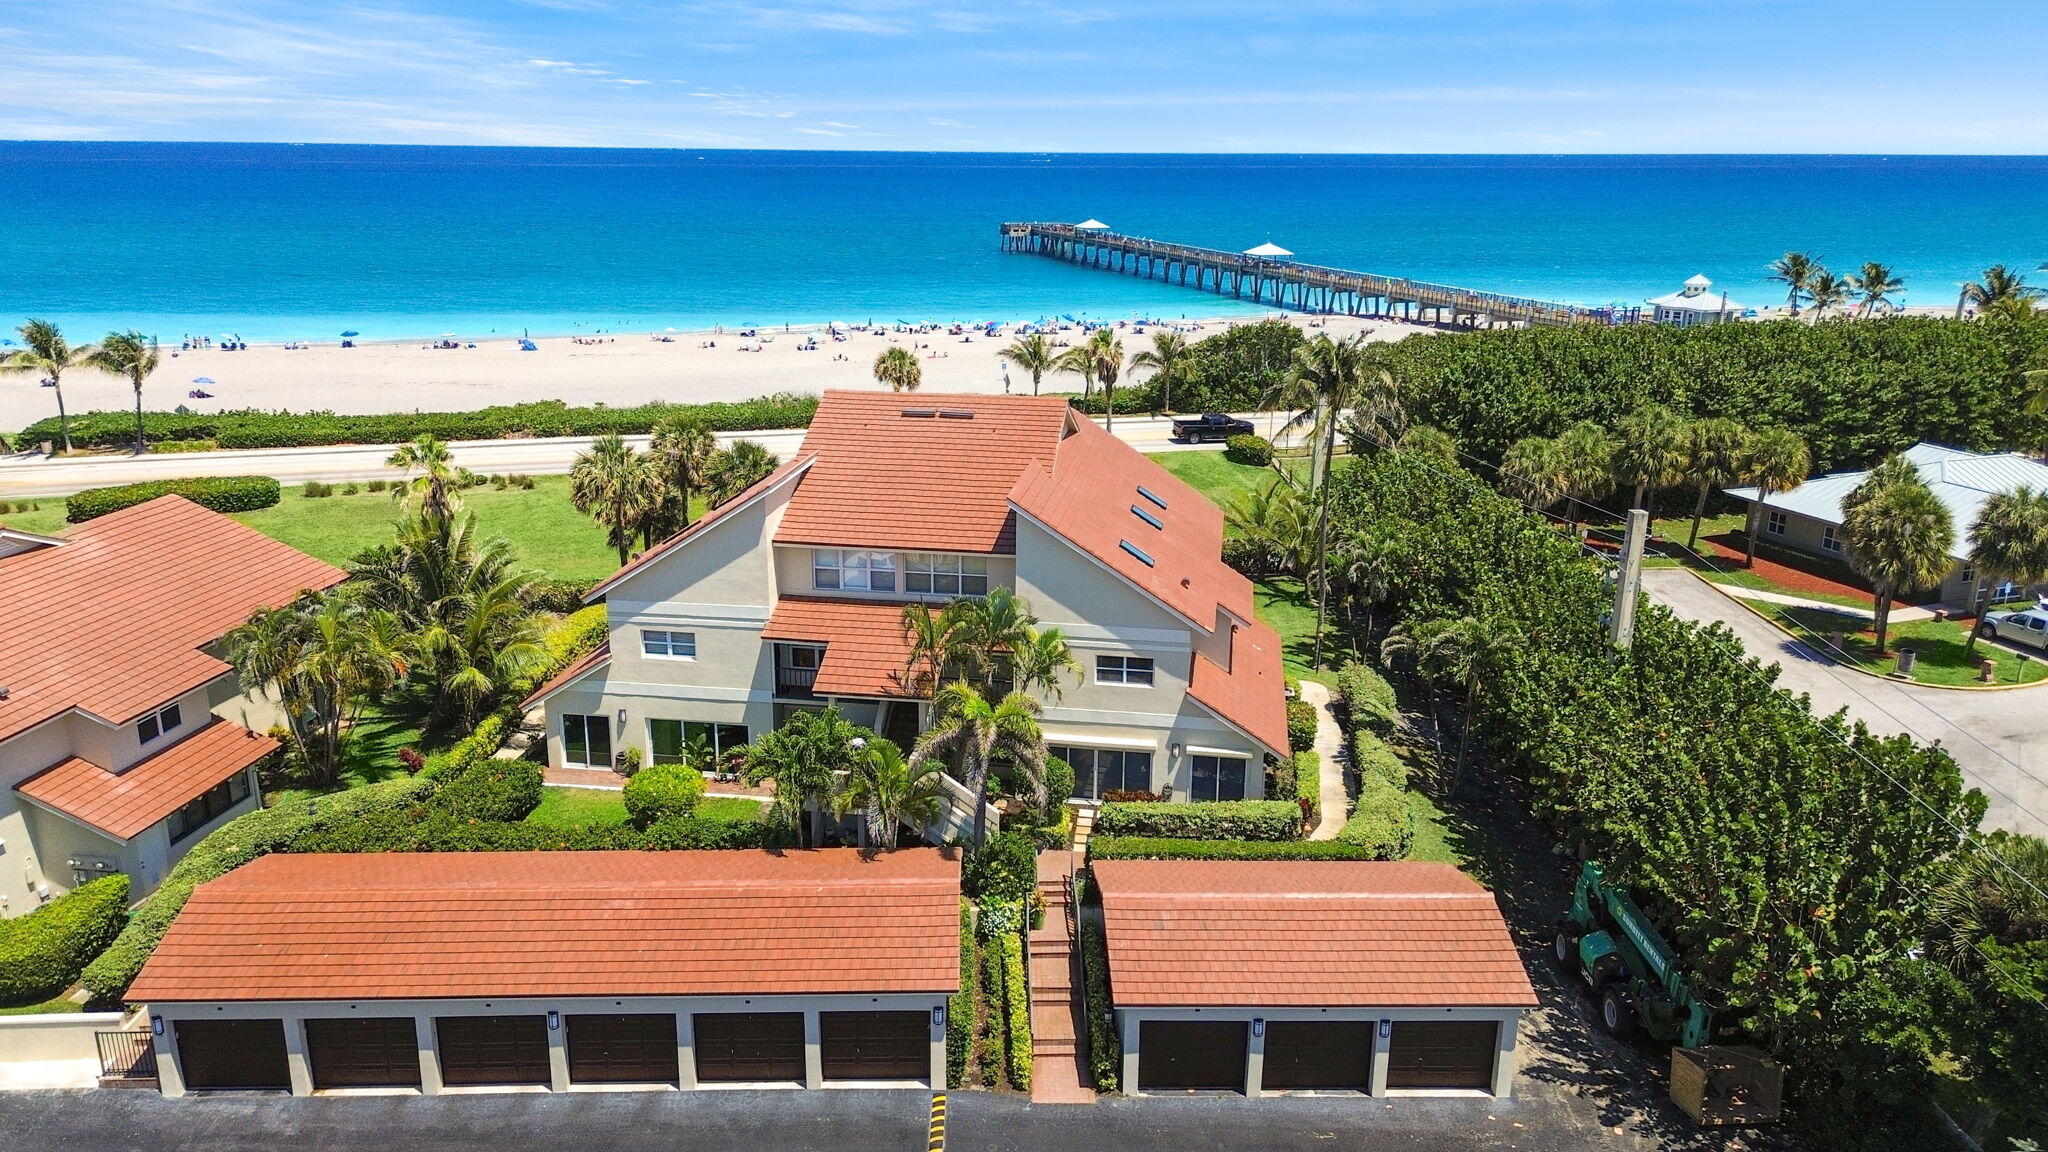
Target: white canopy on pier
1268 249
1091 224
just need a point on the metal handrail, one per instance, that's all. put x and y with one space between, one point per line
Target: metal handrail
127 1055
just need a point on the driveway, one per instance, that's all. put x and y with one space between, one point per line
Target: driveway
1999 739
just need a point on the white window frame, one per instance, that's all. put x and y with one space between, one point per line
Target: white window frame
670 644
1829 540
1129 671
1774 522
165 720
944 574
852 570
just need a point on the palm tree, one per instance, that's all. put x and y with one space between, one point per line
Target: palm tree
46 353
613 484
935 641
497 641
1034 354
1459 652
1827 291
1369 568
679 456
806 757
1875 283
1992 895
888 793
1795 270
1997 284
1585 465
974 735
439 482
1042 661
2013 308
1274 525
1649 450
1898 537
1098 361
1775 460
899 369
735 470
1533 472
1714 451
1430 442
1169 359
129 354
322 658
989 632
2008 542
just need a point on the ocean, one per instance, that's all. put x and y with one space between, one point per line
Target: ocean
286 242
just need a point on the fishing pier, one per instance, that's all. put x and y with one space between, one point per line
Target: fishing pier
1267 274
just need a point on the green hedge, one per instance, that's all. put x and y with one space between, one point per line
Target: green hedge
1365 699
492 790
1256 451
424 829
1105 1047
1301 725
1005 869
1211 820
42 952
248 428
220 493
663 792
1168 848
1307 770
1016 1005
1380 822
960 1007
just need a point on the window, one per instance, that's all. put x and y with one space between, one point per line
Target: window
1147 517
587 741
942 575
852 568
672 645
156 724
1101 770
1830 542
1968 575
1774 523
201 812
1218 778
1134 670
692 741
1137 552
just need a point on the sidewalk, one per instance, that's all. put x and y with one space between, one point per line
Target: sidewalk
1900 615
1335 798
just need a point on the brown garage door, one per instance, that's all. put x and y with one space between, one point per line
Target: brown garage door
1441 1054
380 1052
749 1046
622 1049
1182 1055
875 1045
493 1049
233 1054
1330 1055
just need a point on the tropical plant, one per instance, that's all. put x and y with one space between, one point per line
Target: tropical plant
972 736
323 658
1649 451
1034 353
1272 530
1992 894
1456 652
888 793
1369 567
1876 284
898 368
1040 663
613 484
1796 271
1998 284
1434 443
436 491
679 456
132 355
1774 460
1585 466
2008 542
988 633
1897 536
805 757
1169 359
1533 472
1715 449
1098 360
736 469
934 640
46 353
1827 292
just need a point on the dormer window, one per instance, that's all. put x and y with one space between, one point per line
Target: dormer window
157 724
850 568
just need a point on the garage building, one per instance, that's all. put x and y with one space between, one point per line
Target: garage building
1265 977
508 971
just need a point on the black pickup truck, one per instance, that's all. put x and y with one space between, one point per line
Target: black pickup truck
1209 426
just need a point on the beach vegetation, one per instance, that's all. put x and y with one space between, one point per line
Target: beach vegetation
1827 292
680 455
1796 270
897 367
435 492
2008 544
1098 361
46 354
1897 534
1716 449
733 470
220 493
1169 359
130 355
1034 353
1774 460
1876 284
613 484
1992 291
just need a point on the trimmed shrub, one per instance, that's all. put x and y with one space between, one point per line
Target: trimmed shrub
1256 451
1380 824
1059 782
494 790
43 952
1006 868
960 1008
316 490
1307 772
1375 763
171 446
1162 848
1016 1003
1204 820
1301 726
1057 832
1366 699
662 792
220 493
1105 1047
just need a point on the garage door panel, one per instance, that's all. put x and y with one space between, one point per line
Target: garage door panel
1442 1054
493 1049
1318 1055
219 1054
749 1047
630 1048
374 1052
875 1045
1188 1055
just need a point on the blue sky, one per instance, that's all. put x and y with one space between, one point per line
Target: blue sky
1039 75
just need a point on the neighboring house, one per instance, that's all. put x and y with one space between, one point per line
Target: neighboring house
124 736
1696 303
475 971
1809 518
1266 977
790 597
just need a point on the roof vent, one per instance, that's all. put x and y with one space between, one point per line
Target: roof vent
920 413
1134 550
955 414
1148 494
1147 517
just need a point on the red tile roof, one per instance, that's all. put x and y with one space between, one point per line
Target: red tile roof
112 620
472 924
125 803
866 653
887 479
761 487
590 661
1251 695
1290 933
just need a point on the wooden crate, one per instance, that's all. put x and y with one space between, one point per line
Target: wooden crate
1724 1085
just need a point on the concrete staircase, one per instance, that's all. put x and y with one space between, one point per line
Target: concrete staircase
1084 827
1057 1051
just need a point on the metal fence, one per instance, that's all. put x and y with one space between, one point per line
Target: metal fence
126 1055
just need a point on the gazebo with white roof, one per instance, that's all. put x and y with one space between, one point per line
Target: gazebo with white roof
1694 304
1268 251
1091 224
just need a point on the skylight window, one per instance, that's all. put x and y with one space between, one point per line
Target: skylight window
1134 550
1148 494
955 414
924 413
1147 517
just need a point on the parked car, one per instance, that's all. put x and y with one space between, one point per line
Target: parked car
2029 627
1209 426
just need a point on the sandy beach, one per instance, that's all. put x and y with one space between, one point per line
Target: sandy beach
617 368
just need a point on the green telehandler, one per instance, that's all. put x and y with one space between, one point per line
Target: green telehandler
1635 975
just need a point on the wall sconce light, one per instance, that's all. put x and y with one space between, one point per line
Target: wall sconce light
1386 1029
622 719
554 1020
156 1025
939 1016
1258 1025
1173 750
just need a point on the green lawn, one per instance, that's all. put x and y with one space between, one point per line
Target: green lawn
1213 476
45 1008
572 807
1944 657
371 754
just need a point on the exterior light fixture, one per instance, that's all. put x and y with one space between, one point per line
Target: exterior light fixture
1258 1025
622 719
1386 1029
939 1016
554 1020
156 1025
1173 750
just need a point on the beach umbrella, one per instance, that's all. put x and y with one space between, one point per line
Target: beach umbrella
349 333
202 379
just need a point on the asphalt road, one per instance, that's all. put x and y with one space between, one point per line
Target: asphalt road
35 475
1998 738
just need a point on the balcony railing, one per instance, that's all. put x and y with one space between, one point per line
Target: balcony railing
126 1055
796 683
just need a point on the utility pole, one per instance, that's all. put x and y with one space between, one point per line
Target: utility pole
1621 623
